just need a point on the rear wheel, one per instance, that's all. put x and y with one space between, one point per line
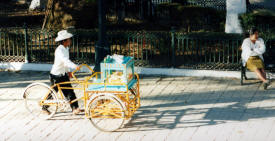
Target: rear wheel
40 100
106 113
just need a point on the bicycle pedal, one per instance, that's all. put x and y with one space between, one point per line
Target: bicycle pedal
64 107
64 101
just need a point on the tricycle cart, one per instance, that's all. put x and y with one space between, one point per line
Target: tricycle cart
110 96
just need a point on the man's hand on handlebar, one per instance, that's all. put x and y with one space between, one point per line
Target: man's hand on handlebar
70 74
77 68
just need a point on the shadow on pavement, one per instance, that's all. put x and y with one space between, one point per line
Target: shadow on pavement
22 78
184 110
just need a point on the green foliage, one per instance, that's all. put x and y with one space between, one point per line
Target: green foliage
91 1
5 1
212 35
264 20
88 17
81 14
247 21
189 16
183 2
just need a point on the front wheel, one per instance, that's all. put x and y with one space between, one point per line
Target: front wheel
40 100
106 113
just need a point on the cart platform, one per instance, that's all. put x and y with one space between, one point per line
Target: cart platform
111 87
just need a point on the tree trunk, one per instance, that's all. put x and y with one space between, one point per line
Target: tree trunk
77 13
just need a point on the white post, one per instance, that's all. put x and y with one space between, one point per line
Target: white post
233 9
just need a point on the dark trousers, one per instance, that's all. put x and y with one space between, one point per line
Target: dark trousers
68 93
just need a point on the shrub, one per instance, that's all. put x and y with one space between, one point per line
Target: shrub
264 20
194 16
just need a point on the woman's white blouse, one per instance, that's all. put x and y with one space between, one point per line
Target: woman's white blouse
251 49
62 63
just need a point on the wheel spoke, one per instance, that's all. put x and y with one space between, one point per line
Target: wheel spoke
40 96
106 113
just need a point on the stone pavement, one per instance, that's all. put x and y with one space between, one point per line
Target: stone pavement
172 108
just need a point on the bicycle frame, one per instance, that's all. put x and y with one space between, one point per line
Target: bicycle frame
132 104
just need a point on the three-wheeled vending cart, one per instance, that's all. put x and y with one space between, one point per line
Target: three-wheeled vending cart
110 96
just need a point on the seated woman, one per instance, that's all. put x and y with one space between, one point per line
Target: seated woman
253 48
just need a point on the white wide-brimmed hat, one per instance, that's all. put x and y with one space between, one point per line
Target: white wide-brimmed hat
62 35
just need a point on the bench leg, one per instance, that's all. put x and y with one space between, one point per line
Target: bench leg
245 75
268 76
242 74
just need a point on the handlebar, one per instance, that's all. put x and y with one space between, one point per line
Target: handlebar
80 66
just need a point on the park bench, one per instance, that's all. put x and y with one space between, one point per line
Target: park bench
269 61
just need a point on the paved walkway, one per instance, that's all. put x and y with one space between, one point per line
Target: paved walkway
172 108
